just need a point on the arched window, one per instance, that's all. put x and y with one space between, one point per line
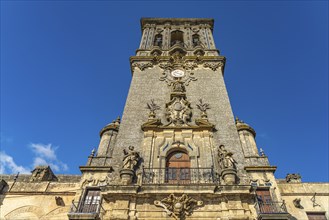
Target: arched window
177 38
158 40
178 168
196 40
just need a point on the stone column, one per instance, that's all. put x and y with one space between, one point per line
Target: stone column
144 37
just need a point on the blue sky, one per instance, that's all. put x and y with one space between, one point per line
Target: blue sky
65 74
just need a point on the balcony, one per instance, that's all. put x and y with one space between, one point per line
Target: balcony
84 211
179 176
271 210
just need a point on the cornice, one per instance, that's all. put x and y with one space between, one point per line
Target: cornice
96 168
260 168
177 21
188 62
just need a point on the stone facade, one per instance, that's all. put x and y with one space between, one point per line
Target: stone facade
177 153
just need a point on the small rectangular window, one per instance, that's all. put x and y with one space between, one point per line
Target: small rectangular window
316 216
90 202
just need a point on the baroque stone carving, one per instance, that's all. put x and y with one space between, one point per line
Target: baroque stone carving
203 121
130 158
203 107
178 207
170 80
227 165
293 178
92 181
178 110
213 65
152 120
225 158
130 161
152 107
43 173
297 203
142 65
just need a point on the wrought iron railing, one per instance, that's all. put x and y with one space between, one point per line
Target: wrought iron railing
85 208
271 207
178 176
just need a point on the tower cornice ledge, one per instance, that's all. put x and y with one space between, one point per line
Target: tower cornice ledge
177 21
260 168
188 62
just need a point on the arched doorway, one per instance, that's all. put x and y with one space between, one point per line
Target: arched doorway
178 168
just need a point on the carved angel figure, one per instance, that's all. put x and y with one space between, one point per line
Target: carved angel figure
225 158
130 158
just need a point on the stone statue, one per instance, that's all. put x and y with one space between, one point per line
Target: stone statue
225 158
228 171
130 158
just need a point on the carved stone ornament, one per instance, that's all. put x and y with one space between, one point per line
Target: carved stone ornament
225 158
152 121
297 203
178 60
142 65
227 165
130 158
293 178
130 161
203 107
170 80
178 207
179 111
152 106
42 173
213 65
92 181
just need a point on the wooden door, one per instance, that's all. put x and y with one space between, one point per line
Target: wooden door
265 201
178 168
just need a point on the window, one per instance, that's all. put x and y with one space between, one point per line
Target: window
316 216
158 40
91 201
196 40
177 38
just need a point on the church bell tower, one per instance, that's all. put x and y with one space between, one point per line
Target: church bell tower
178 152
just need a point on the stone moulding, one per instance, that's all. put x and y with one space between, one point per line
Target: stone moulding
199 127
260 168
96 168
187 62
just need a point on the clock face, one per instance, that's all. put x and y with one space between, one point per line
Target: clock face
177 73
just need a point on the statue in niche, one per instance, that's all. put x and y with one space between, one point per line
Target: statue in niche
130 159
225 158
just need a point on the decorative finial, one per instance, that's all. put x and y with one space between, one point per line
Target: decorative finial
203 108
152 106
262 153
92 153
117 120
